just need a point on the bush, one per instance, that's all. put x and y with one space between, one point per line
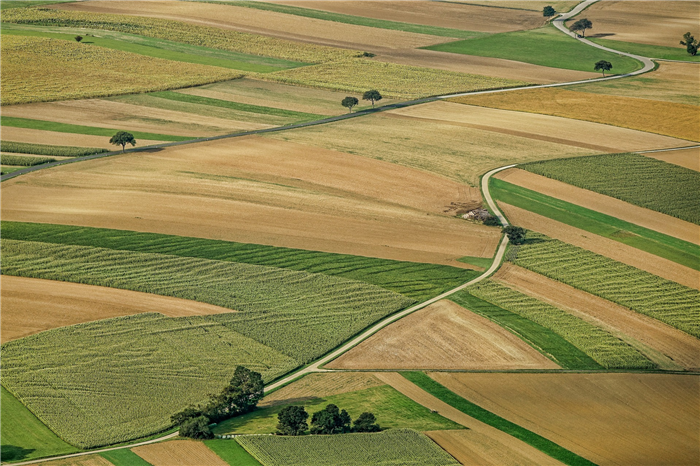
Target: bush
516 235
196 428
492 221
292 420
366 423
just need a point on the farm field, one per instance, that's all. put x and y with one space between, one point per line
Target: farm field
688 158
36 137
19 148
321 385
656 51
123 457
33 305
472 448
636 113
178 453
443 335
87 460
231 452
645 419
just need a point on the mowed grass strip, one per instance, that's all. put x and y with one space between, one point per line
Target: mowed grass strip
606 349
667 301
665 246
668 118
230 451
45 149
634 178
547 446
24 437
393 447
81 129
540 337
545 46
645 50
418 281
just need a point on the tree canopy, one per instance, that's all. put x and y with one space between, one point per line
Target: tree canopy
122 138
372 95
581 25
548 11
516 235
330 420
366 423
292 420
603 66
350 102
691 45
197 427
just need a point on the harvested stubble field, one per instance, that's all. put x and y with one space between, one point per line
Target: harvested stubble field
688 158
671 119
610 419
36 137
32 305
87 460
443 336
655 340
395 446
38 69
262 191
179 453
561 6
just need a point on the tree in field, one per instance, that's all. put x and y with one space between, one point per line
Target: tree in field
349 102
78 38
366 423
372 95
581 25
691 45
330 420
548 11
186 414
197 427
122 138
292 420
516 235
603 66
241 396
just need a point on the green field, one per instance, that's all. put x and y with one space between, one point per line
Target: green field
392 409
475 411
124 457
648 294
633 178
644 50
5 169
44 149
23 161
6 5
229 451
606 349
24 437
545 46
403 447
668 247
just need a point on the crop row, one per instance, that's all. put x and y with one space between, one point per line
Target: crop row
667 301
44 149
23 161
607 350
633 178
403 447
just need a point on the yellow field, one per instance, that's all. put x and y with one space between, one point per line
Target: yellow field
86 460
36 69
179 453
321 385
671 119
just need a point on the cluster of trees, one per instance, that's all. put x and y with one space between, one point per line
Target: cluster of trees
292 420
241 396
691 45
350 102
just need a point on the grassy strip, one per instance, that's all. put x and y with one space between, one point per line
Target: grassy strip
547 446
545 46
668 247
4 170
358 20
124 457
483 262
415 280
644 50
195 99
667 301
80 129
6 5
22 161
633 178
551 344
45 149
229 451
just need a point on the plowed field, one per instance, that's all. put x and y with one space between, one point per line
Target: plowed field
261 191
179 453
688 158
648 335
444 335
321 385
610 419
31 305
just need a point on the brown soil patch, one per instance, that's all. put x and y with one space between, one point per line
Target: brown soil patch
443 336
667 118
490 443
535 5
443 14
261 191
86 460
610 419
654 336
267 23
179 453
688 158
475 449
321 385
31 305
35 136
606 247
608 205
108 114
656 23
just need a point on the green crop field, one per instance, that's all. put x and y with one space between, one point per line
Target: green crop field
394 447
43 149
545 46
23 436
633 178
124 457
5 169
606 349
392 409
23 161
230 451
648 294
549 343
645 50
651 241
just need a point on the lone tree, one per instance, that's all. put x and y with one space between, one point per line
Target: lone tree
581 25
516 235
330 420
603 66
78 38
548 11
691 45
197 427
350 102
292 420
122 138
366 423
372 95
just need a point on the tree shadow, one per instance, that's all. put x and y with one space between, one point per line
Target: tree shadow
532 241
13 453
600 35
